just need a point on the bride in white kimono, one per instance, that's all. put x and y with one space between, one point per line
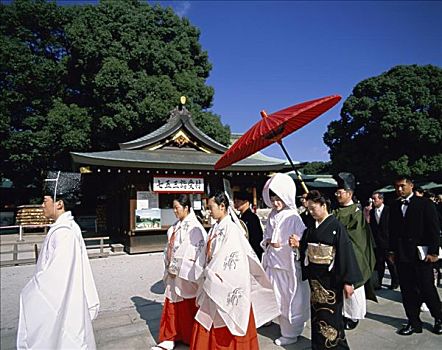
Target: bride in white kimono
60 301
280 261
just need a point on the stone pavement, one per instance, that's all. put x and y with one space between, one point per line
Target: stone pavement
131 296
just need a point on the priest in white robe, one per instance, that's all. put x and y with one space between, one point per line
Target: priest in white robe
60 301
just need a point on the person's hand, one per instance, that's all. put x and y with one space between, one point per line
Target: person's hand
431 258
294 241
348 290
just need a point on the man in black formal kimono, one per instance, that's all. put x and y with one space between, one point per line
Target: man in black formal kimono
379 222
414 246
241 201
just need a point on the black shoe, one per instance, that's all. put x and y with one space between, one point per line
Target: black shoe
409 330
350 324
437 329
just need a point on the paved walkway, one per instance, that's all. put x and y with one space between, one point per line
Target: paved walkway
131 295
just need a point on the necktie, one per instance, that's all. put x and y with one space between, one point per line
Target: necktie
404 206
378 215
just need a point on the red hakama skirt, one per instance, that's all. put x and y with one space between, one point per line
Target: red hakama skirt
177 320
222 339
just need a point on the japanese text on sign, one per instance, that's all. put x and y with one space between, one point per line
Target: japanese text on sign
178 184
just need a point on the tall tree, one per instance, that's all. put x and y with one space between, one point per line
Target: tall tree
32 70
88 77
391 124
129 63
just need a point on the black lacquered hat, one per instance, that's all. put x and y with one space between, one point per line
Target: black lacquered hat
346 181
62 184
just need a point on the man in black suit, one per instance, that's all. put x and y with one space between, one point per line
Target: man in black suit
379 222
241 202
305 215
414 245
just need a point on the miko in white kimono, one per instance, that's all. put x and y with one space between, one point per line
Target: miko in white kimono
281 262
235 296
184 259
60 301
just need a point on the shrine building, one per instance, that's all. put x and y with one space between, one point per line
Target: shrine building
128 193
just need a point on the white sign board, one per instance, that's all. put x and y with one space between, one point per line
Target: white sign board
142 200
147 200
167 184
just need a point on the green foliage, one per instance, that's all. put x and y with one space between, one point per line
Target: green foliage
85 78
391 124
211 125
32 48
129 65
315 168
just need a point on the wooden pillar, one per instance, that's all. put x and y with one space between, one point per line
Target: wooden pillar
132 207
255 199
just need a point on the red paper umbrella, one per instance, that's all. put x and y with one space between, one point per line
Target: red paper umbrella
273 128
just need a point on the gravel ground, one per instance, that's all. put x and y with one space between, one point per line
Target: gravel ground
131 293
118 280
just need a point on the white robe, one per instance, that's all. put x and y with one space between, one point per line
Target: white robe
282 268
233 282
281 263
187 259
60 301
355 307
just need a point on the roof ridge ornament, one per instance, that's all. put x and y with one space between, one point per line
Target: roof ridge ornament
180 111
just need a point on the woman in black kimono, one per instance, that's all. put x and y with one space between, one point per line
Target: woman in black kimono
329 264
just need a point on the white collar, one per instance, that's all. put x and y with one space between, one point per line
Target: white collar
411 195
67 215
349 203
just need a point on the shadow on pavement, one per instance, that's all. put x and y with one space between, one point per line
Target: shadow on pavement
272 332
393 295
150 312
158 287
392 321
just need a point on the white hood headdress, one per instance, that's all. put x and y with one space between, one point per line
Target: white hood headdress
284 187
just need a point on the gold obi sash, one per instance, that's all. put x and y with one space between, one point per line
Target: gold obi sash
320 253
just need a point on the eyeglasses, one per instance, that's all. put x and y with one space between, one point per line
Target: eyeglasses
339 193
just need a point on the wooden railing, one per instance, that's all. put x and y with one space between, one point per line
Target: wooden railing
33 246
101 246
16 251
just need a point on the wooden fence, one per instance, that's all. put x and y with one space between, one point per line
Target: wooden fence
31 248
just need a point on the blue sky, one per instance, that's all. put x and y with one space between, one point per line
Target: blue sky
273 54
